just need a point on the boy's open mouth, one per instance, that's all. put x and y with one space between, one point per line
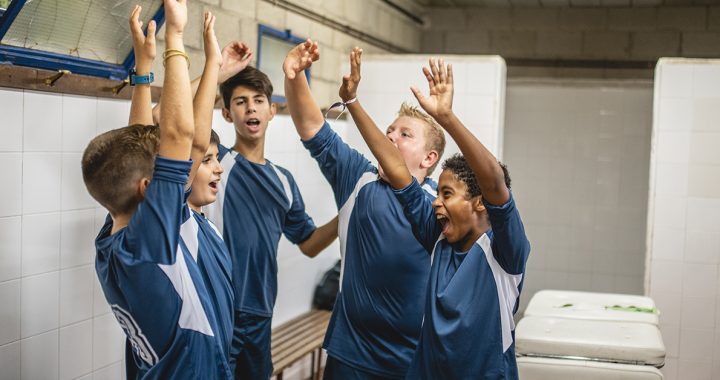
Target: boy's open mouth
444 222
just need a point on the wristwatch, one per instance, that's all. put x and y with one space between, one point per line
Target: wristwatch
140 79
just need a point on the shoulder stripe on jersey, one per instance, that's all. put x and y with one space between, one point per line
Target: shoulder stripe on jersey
137 339
189 234
432 254
285 183
344 217
192 314
507 288
214 210
429 189
217 231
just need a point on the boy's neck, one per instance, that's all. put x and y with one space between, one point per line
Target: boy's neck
195 208
119 222
481 226
419 174
253 151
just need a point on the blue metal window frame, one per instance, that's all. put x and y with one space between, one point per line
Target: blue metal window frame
285 35
54 61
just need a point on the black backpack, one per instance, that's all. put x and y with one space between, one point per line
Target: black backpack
326 291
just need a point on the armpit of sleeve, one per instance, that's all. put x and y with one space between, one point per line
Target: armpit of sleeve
510 245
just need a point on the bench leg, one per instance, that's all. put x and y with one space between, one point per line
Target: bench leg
319 363
279 376
312 366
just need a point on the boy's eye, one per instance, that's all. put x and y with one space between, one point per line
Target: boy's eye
405 134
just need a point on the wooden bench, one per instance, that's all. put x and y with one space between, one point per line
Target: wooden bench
296 339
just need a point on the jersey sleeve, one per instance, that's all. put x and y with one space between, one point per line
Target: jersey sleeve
153 232
510 245
298 224
341 165
417 206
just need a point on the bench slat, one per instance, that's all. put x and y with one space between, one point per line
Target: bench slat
297 338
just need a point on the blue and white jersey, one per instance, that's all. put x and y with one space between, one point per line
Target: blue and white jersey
200 235
156 288
256 203
376 320
468 331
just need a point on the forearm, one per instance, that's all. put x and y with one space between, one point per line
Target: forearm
176 106
141 103
320 239
156 110
487 171
382 148
203 105
305 113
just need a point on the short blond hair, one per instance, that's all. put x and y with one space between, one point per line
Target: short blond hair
434 135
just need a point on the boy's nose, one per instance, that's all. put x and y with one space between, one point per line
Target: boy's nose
436 202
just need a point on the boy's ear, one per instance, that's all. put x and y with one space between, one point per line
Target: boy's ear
142 186
226 115
430 159
273 110
478 205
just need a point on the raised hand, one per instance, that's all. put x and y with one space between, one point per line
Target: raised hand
212 49
143 46
235 57
348 89
300 58
175 16
440 81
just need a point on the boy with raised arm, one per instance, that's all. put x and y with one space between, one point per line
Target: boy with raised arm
377 317
258 202
149 274
476 238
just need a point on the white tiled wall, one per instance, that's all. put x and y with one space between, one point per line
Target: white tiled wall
683 235
53 310
578 155
47 226
479 95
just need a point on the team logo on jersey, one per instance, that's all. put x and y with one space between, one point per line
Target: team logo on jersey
139 342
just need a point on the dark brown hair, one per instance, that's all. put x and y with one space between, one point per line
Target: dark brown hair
115 161
249 77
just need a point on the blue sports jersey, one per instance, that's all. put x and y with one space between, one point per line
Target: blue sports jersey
156 289
215 265
256 203
376 320
468 331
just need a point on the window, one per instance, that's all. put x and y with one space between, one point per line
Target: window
85 37
273 46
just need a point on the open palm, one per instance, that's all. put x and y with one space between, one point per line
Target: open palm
440 82
300 58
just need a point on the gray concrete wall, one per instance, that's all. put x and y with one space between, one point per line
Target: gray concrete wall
610 33
239 19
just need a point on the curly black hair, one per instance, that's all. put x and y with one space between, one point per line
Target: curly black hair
460 168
